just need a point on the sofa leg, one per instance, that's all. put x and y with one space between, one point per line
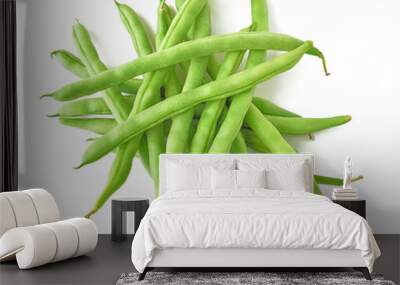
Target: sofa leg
143 274
364 271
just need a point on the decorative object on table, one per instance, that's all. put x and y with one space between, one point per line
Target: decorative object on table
248 121
346 192
356 206
249 278
119 209
32 233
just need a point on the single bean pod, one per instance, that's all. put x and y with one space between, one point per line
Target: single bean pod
333 181
303 126
175 105
135 28
73 64
179 53
239 144
207 124
178 136
155 136
97 125
94 65
254 142
269 108
241 102
266 132
88 107
140 101
149 92
122 163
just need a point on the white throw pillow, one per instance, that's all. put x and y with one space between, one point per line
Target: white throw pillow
189 174
187 177
223 179
282 174
251 178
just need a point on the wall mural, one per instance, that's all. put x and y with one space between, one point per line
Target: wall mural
177 97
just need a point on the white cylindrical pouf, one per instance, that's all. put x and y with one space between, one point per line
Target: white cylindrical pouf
67 239
87 233
7 218
23 208
46 206
33 246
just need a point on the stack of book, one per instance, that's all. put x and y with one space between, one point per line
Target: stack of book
344 194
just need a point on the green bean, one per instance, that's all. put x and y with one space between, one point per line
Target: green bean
170 107
239 144
254 142
269 108
207 124
179 133
90 58
97 125
135 29
241 102
122 163
179 53
163 23
155 135
150 88
302 126
327 180
143 47
266 132
316 189
73 64
87 107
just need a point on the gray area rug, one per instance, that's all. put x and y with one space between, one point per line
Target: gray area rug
243 278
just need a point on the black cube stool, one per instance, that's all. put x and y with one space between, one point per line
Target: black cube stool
119 207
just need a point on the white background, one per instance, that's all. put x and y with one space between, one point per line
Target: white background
360 39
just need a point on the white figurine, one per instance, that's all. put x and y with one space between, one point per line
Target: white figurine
348 173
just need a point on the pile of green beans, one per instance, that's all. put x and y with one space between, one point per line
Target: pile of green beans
176 97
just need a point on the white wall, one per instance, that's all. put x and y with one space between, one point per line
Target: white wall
359 38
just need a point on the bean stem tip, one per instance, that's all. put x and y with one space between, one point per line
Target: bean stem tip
52 115
91 212
45 95
79 166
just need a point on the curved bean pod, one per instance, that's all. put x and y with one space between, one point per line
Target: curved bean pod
241 102
175 105
122 163
178 136
303 126
97 125
179 53
87 107
239 144
212 111
135 29
94 65
269 108
266 132
73 64
333 181
254 142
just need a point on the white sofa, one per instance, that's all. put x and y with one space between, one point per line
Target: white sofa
32 233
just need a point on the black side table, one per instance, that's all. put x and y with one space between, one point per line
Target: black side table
119 207
357 206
